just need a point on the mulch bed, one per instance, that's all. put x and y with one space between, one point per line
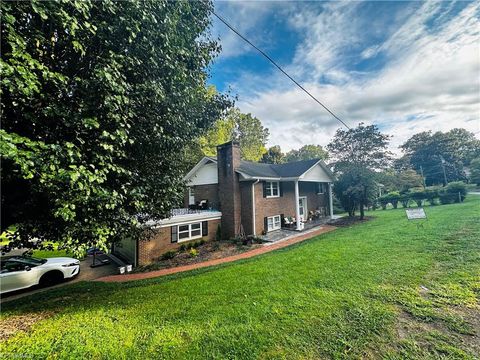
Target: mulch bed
209 251
349 221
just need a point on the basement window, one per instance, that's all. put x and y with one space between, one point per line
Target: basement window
274 222
189 231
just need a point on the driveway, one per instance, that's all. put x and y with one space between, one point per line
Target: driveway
86 274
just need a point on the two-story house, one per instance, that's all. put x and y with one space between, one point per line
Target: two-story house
242 197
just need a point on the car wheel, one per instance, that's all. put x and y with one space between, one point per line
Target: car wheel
51 278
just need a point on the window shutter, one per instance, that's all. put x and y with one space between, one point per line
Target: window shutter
282 219
204 228
174 234
265 224
280 188
264 189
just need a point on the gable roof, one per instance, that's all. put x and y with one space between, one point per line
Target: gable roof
287 170
255 170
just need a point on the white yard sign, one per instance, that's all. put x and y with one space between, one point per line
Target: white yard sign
414 214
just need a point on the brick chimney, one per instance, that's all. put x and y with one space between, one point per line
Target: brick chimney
228 159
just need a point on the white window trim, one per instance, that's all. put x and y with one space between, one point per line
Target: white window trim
189 231
269 185
320 186
273 223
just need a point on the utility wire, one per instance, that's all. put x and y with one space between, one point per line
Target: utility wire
278 67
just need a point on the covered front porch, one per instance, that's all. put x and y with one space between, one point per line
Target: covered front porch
305 216
309 226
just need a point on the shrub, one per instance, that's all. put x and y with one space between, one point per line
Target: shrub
431 194
405 199
417 195
218 233
196 244
447 198
383 201
392 197
193 252
169 255
457 188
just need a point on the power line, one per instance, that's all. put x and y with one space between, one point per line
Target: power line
278 67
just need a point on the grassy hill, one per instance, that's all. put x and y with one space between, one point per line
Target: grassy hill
380 289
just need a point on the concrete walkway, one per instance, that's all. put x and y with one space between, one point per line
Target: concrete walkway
295 238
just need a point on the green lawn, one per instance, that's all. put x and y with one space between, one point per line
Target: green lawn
381 289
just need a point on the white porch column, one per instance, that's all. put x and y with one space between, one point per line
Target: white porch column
297 206
330 198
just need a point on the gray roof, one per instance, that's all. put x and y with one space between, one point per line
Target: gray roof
287 170
292 169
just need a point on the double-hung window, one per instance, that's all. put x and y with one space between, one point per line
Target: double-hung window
189 231
272 189
274 222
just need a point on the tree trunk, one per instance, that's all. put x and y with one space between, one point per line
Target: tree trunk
362 211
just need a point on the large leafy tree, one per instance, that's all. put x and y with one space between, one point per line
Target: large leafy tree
475 171
99 98
274 155
244 128
441 155
307 152
357 154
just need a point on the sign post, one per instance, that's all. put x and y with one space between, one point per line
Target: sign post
416 214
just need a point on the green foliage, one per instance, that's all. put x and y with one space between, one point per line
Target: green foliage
418 195
193 252
218 233
354 188
168 255
349 293
307 152
390 198
452 150
363 146
99 98
357 153
457 188
191 245
244 128
405 199
431 194
475 171
273 155
447 198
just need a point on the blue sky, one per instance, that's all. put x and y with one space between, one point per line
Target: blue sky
405 66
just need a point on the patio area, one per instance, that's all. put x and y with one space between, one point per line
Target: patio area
309 226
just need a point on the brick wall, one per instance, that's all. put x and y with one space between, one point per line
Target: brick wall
151 250
246 210
228 159
285 204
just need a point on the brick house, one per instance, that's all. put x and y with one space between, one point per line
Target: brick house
242 197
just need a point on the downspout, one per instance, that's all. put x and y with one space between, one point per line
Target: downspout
253 207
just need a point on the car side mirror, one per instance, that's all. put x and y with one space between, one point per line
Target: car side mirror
27 268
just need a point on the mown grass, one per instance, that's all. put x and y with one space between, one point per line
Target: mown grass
380 289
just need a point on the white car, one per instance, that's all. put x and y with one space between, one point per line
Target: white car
19 272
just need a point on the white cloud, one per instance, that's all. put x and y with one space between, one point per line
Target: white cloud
431 76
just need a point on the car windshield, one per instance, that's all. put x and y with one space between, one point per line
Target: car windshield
26 261
30 261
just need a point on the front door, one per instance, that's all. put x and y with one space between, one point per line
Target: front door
302 203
